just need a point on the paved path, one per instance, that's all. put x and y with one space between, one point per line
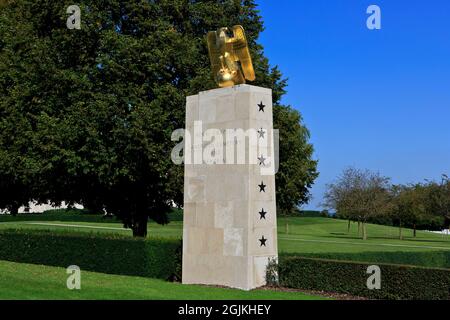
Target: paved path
74 226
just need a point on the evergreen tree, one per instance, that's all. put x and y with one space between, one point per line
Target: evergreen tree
87 115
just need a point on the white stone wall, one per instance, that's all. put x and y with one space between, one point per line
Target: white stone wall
35 208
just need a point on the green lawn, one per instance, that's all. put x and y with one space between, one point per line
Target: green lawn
307 236
316 235
172 230
26 281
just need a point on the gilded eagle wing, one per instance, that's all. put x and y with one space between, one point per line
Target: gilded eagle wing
214 52
240 47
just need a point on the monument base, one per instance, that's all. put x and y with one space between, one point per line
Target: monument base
230 229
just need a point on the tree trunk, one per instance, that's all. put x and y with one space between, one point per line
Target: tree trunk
140 227
359 228
415 230
14 210
348 227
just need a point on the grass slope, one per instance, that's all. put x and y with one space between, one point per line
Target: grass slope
26 281
316 235
307 236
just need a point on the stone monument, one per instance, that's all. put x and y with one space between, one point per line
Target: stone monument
230 229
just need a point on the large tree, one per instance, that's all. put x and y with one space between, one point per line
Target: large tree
359 195
89 113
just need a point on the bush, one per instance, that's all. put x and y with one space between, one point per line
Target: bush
397 281
430 259
312 214
176 215
154 258
57 215
272 273
178 269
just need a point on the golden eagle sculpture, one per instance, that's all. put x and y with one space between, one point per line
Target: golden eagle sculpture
230 57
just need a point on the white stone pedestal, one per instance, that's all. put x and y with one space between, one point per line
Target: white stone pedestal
230 229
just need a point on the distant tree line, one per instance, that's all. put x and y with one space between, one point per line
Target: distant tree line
365 197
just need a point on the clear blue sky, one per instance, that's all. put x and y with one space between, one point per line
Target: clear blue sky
372 99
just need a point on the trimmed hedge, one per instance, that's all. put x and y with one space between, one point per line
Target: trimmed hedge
154 258
398 282
161 258
429 259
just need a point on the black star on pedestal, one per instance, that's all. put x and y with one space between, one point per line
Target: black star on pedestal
263 242
261 133
262 161
262 187
261 106
262 213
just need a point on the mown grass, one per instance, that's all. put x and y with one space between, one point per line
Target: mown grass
330 235
26 281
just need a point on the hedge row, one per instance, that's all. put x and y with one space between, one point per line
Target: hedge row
397 282
161 258
431 259
155 258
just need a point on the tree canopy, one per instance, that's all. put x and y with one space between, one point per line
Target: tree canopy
359 195
86 115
